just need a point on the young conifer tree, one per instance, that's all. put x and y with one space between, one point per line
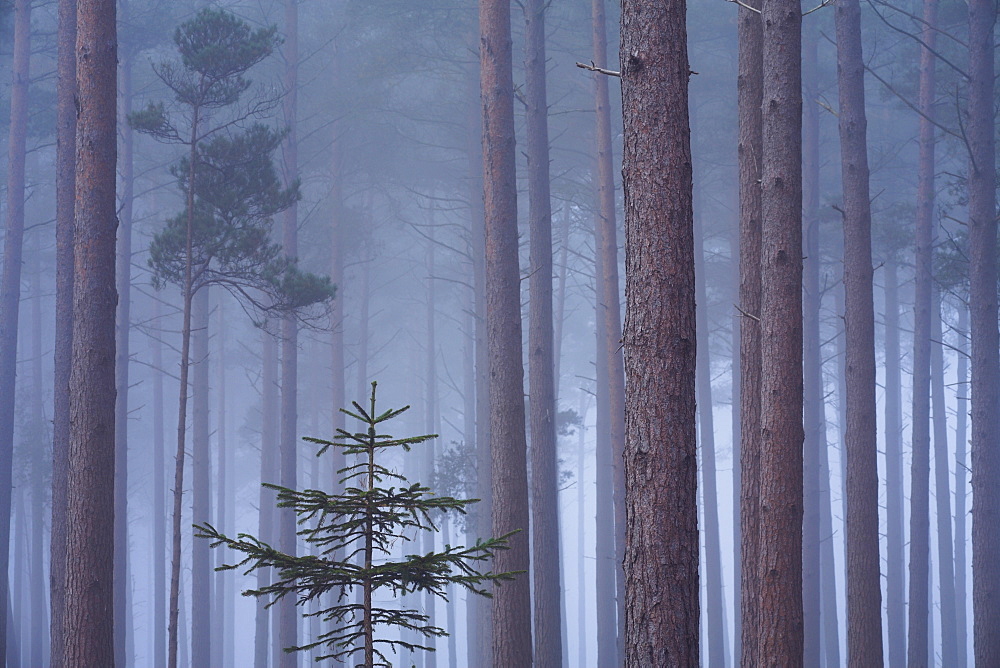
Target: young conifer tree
354 532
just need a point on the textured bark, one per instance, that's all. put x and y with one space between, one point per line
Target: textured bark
287 614
269 472
63 344
985 340
512 600
779 566
88 625
123 617
813 407
942 492
661 559
159 468
961 489
10 284
750 148
545 554
895 537
612 413
715 600
864 588
918 600
201 488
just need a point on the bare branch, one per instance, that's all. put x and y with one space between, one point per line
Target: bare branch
600 70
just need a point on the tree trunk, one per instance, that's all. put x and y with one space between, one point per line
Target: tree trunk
541 369
201 488
65 196
864 588
122 614
780 559
88 625
750 147
36 583
661 559
814 408
512 600
895 537
609 312
430 427
581 542
961 466
159 467
287 614
942 491
918 600
985 341
220 580
269 472
10 284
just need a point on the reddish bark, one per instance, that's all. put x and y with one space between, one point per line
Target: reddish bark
88 623
661 559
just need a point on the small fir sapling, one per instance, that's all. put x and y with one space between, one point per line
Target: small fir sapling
353 533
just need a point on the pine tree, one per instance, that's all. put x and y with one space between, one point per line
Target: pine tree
353 532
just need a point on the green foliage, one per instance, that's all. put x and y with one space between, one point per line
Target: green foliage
236 190
353 534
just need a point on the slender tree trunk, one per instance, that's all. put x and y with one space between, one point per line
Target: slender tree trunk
430 426
88 629
10 284
65 196
220 580
36 583
864 588
942 491
750 148
609 312
736 438
715 601
123 617
512 600
918 600
895 551
287 614
542 392
780 559
559 318
581 541
269 472
661 559
159 466
201 497
985 344
812 366
961 466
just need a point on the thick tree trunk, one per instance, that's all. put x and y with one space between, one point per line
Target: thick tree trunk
65 196
942 491
895 533
201 488
779 566
918 600
286 612
512 600
750 91
980 130
10 284
123 617
864 588
814 408
661 559
88 627
541 368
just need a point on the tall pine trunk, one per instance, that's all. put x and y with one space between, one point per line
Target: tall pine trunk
961 467
512 600
159 468
201 475
10 284
864 588
88 627
779 566
541 368
661 560
269 473
63 344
